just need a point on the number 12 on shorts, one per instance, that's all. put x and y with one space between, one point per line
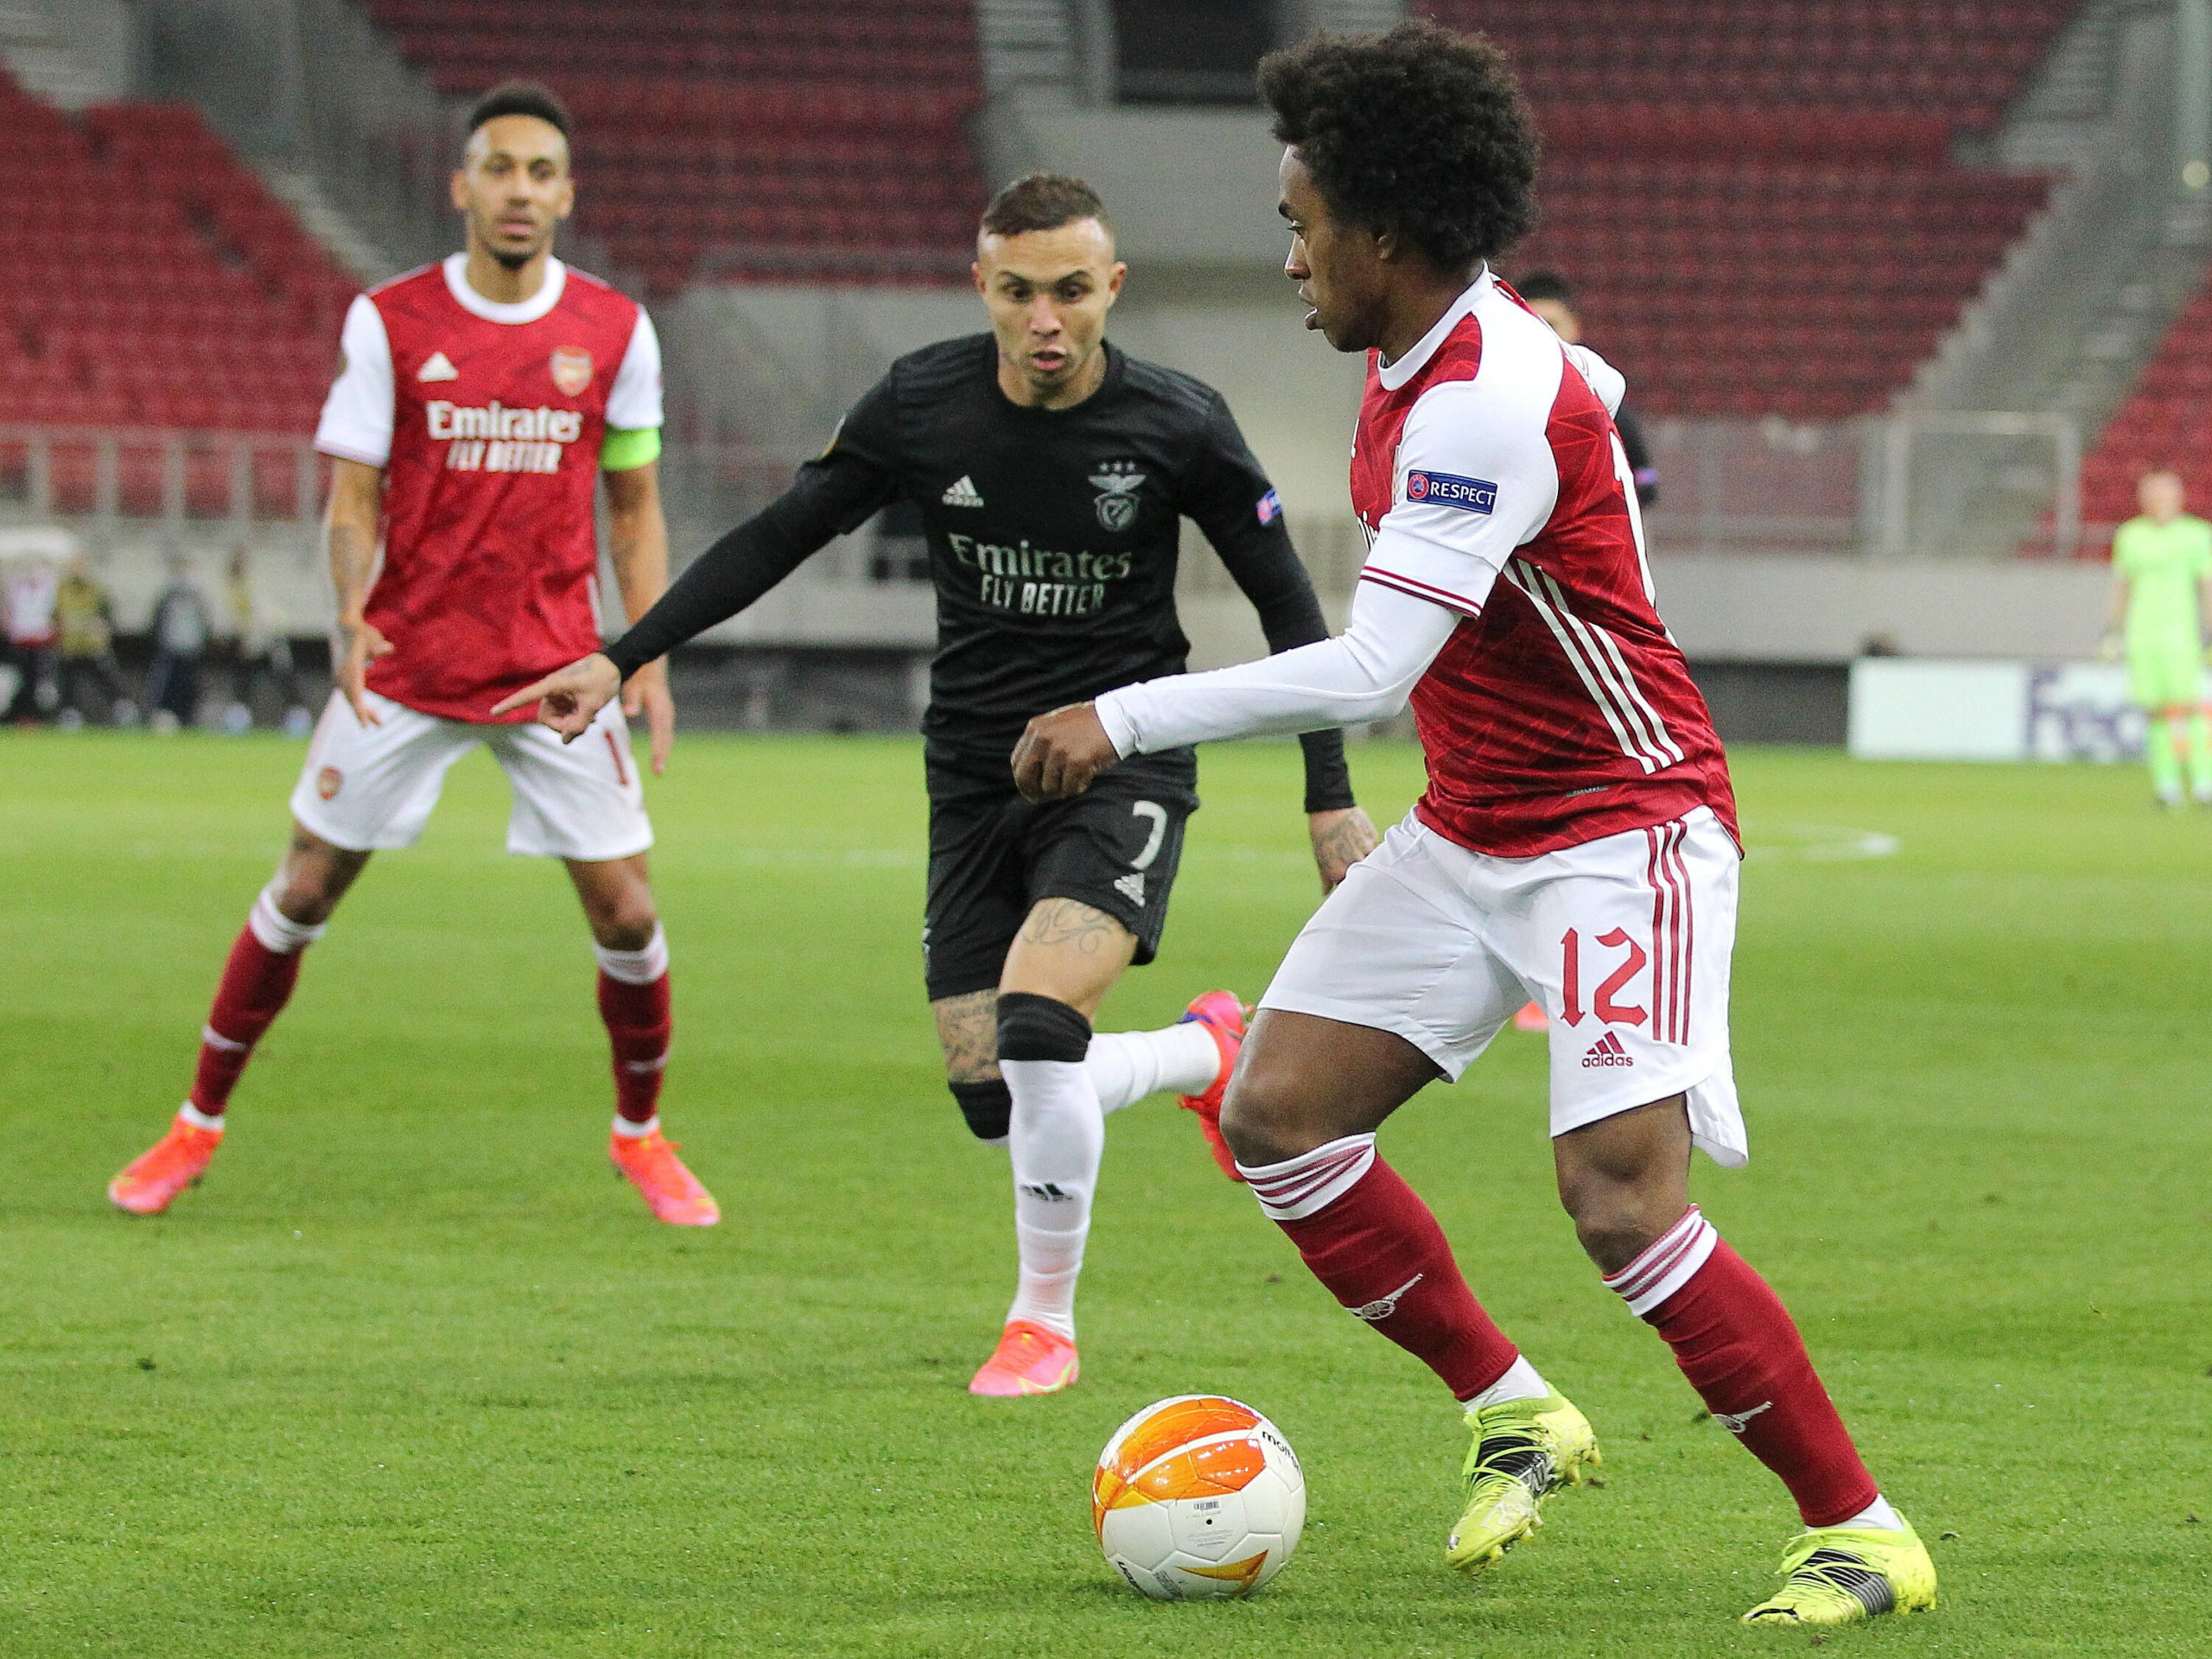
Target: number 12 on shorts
1602 1006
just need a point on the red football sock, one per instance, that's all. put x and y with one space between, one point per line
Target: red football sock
1368 1237
634 1002
258 979
1738 1345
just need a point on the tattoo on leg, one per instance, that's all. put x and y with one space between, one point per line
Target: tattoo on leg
1065 922
967 1029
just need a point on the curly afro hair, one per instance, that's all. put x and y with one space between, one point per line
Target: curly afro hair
1421 131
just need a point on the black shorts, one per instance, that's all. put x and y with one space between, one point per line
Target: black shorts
993 855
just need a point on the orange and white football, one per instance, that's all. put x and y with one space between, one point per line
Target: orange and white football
1198 1496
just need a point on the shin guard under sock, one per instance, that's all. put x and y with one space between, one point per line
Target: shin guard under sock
1056 1138
1741 1351
633 1001
1368 1237
258 979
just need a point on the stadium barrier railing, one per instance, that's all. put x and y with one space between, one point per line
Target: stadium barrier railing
1989 485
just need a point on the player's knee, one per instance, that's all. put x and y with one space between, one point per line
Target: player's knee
1259 1119
1617 1222
307 892
622 916
625 926
987 1105
1033 1028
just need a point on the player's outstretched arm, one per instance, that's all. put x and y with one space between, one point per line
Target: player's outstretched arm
349 534
1365 673
637 545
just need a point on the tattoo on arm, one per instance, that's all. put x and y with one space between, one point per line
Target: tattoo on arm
968 1030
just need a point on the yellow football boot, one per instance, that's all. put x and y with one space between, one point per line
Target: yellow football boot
1839 1575
1524 1451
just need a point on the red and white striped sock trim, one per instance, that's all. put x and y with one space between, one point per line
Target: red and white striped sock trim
1308 1184
636 966
278 933
1666 1266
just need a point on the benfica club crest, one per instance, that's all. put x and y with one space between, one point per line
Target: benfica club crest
571 369
1117 483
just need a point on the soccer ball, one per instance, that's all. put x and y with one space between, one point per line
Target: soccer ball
1198 1496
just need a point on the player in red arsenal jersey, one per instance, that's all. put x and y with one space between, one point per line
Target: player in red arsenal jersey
480 402
1576 844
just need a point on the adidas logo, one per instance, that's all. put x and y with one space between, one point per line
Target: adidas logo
1047 1191
963 493
1383 1307
1606 1051
440 367
1131 887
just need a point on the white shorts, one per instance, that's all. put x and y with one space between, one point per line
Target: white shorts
368 787
1624 942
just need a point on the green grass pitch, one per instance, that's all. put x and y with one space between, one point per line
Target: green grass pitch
413 1375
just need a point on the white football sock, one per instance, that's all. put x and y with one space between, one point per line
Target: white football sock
1126 1066
1520 1382
201 1120
1056 1138
630 1131
1051 1263
1879 1515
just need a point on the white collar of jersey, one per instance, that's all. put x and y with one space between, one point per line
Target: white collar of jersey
529 310
1394 375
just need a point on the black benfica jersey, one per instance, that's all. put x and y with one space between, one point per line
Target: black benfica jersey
1052 537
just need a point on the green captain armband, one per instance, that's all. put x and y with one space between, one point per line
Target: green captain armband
627 448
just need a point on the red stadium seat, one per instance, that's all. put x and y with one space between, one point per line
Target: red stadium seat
1756 199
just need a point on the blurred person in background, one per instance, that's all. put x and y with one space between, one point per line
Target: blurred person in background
1551 298
31 634
259 651
182 627
85 613
2154 620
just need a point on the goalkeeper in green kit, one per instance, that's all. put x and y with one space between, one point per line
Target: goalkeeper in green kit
2161 589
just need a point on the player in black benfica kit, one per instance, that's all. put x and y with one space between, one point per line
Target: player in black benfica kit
1051 472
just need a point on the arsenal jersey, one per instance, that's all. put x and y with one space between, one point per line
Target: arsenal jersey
487 419
1489 481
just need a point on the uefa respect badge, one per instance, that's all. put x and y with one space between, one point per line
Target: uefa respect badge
1450 489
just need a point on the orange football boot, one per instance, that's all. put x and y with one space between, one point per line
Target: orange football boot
1221 1014
1531 1018
175 1162
671 1191
1029 1360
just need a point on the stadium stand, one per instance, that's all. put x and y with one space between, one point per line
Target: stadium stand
1758 199
2165 422
148 280
817 142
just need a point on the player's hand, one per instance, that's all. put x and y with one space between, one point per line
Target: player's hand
1061 752
647 693
1341 839
360 644
569 699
